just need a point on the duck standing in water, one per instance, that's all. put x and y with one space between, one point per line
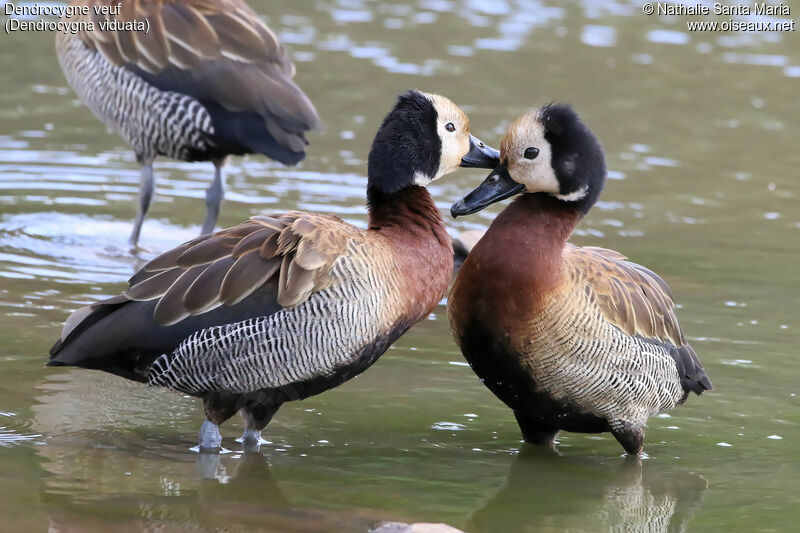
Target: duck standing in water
205 81
570 338
288 305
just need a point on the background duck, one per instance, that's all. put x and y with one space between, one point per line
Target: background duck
570 338
288 305
209 79
462 245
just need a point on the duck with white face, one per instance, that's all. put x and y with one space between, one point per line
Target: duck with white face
424 138
288 305
570 338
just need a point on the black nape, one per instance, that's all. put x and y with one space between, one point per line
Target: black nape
577 156
406 143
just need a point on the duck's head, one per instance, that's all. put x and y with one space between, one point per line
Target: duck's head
547 151
424 137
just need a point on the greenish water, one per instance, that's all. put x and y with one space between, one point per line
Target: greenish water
701 135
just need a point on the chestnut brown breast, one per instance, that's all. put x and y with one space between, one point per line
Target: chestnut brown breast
514 266
411 225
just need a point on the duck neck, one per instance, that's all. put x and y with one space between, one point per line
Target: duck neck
423 251
536 227
546 220
409 211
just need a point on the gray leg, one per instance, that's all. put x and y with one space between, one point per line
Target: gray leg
219 407
209 437
145 197
256 418
214 195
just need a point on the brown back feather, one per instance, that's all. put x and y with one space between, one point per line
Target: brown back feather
296 250
630 296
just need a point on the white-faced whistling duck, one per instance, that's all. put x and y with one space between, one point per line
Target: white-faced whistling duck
570 338
209 79
288 305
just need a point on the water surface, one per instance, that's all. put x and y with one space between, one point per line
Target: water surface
700 132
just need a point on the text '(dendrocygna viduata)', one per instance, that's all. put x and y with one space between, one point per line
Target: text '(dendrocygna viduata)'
288 305
570 338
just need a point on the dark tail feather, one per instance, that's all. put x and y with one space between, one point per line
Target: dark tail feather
693 375
78 322
239 133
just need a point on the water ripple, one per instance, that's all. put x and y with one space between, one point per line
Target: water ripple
14 431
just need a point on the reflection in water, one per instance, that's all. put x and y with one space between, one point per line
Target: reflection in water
548 492
244 496
110 453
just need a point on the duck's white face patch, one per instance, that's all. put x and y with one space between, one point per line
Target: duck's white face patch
455 143
536 174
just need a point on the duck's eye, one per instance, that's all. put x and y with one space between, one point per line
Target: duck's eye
531 153
450 127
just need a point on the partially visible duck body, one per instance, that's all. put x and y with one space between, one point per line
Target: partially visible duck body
207 80
288 305
570 338
462 246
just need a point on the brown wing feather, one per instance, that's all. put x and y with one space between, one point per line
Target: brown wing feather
153 286
631 297
204 294
232 56
296 285
248 273
171 307
295 249
208 251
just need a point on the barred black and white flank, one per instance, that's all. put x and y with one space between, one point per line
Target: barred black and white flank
288 305
208 80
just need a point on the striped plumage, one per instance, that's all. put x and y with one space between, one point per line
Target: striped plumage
329 274
209 79
570 338
288 305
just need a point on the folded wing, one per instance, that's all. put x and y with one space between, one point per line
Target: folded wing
252 270
638 302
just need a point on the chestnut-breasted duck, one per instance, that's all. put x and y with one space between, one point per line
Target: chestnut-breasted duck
570 338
